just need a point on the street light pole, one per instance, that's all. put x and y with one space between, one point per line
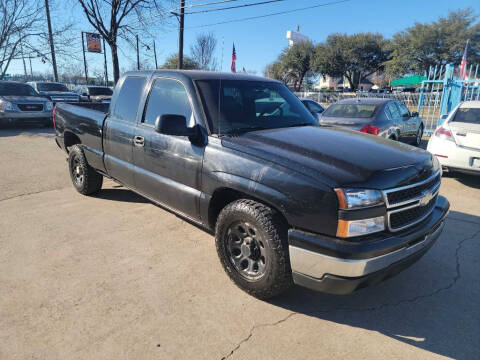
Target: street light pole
50 38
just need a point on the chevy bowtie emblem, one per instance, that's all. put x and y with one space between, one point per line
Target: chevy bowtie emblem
427 197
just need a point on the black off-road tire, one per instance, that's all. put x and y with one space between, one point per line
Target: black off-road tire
272 231
91 181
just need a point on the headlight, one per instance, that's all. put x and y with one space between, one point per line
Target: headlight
49 105
348 228
358 198
6 105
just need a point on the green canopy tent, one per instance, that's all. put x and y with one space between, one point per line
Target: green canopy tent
409 81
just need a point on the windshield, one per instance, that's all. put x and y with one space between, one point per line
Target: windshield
350 110
467 115
51 87
15 89
94 91
236 106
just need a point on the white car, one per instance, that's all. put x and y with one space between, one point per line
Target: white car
456 143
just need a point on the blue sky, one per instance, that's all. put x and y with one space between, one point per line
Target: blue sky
258 42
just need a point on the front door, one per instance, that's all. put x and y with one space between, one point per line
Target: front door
168 168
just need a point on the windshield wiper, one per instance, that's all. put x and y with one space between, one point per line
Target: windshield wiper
301 124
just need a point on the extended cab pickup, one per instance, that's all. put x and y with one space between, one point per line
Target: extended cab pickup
290 202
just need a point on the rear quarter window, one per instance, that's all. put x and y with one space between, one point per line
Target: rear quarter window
128 98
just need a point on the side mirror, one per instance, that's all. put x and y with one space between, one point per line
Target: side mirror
84 94
405 116
176 125
415 114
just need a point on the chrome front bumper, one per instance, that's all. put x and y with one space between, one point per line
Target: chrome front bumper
317 265
338 266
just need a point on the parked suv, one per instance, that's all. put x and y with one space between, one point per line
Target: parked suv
89 93
54 91
21 104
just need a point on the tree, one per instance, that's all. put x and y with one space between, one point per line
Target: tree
203 50
441 42
275 71
351 56
296 63
172 63
116 18
20 20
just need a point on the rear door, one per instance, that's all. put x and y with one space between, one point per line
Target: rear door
119 130
465 126
168 168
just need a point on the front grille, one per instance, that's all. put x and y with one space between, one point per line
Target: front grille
30 107
410 216
399 196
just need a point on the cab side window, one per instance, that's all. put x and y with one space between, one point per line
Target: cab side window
126 104
167 97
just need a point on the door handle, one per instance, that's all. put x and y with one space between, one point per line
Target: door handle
139 141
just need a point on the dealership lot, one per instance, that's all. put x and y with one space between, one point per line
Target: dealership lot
114 276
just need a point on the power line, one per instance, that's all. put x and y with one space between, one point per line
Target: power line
233 7
268 15
172 10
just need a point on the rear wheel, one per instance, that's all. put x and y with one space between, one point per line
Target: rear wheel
84 178
251 241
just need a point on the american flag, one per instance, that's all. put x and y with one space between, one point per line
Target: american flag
234 59
463 64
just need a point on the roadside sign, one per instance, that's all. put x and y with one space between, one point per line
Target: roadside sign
93 42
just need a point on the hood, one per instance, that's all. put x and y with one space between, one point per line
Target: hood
20 99
338 157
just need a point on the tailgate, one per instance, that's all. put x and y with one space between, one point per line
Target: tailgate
466 134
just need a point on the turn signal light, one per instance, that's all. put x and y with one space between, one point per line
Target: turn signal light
370 129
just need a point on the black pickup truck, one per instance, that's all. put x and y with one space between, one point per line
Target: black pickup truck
289 201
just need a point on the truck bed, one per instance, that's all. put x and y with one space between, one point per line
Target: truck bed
83 121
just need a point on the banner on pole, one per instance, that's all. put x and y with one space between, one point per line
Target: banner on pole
93 42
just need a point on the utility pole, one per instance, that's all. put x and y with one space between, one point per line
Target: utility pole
155 54
31 72
138 54
84 61
50 38
105 60
23 59
180 35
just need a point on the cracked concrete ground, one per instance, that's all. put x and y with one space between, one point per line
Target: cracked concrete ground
115 277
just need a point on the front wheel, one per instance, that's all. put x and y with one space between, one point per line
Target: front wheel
418 138
251 241
84 178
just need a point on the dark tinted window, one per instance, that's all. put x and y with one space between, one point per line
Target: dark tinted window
129 98
51 87
403 110
168 97
467 115
393 110
95 91
314 107
350 110
237 106
16 89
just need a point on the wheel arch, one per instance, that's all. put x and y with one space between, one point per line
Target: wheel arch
223 196
70 139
